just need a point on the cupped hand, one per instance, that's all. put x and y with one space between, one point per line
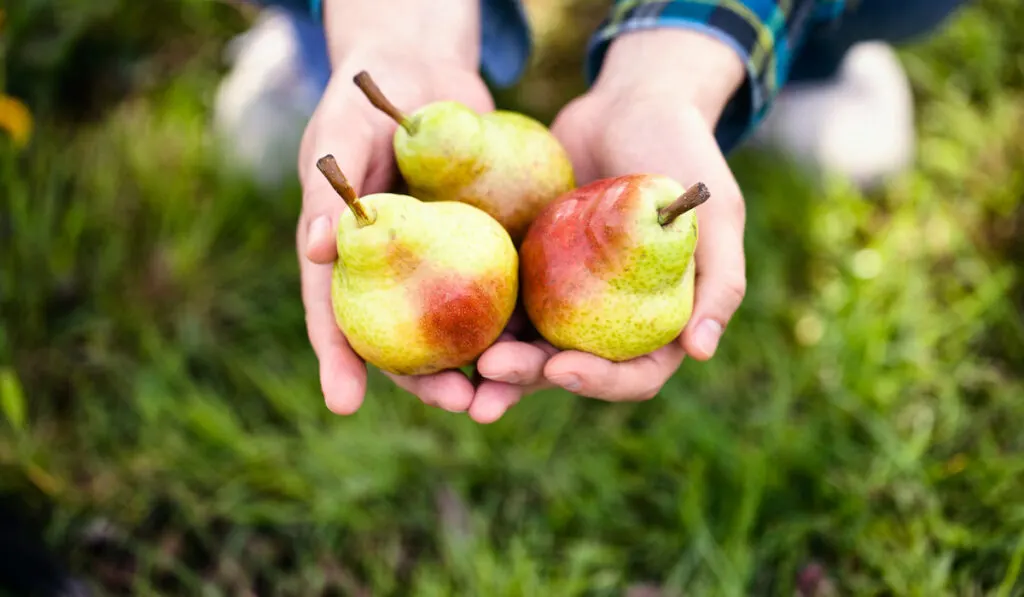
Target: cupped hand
647 123
359 136
655 134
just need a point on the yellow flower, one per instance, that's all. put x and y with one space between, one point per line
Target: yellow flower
16 119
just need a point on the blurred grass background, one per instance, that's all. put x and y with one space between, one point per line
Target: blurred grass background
860 432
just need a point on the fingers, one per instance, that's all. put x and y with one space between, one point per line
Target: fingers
514 362
450 390
342 372
321 246
509 370
721 268
492 399
591 376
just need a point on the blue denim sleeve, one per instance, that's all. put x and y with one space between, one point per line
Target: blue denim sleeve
505 36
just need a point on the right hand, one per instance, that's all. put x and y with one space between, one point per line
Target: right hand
346 125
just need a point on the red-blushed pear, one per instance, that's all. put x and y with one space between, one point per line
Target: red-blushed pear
608 268
503 162
419 287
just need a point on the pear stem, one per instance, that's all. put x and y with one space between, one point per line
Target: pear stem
328 166
693 197
366 84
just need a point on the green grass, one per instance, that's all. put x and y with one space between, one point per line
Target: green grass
864 412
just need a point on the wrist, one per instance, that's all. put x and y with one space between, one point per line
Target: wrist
446 33
691 67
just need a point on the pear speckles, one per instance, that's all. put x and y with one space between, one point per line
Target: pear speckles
424 288
504 163
603 274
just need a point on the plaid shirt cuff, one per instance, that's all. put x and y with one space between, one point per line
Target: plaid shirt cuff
765 33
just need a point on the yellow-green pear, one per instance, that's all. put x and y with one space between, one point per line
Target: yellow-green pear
502 162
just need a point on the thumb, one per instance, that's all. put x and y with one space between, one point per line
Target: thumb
342 372
721 266
321 203
721 280
320 246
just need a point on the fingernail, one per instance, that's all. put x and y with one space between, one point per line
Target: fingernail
319 229
706 338
513 377
569 382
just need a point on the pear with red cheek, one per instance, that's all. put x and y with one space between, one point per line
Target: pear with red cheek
419 287
608 268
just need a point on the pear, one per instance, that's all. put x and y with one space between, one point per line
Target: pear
503 162
419 287
608 268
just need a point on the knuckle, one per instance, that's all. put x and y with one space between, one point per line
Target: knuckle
728 204
313 335
648 394
650 388
306 217
735 289
738 211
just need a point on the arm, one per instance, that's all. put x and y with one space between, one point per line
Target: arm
761 35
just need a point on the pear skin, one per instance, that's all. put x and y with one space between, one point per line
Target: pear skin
419 287
503 162
608 268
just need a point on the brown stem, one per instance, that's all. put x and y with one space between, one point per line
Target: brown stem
328 166
693 197
365 82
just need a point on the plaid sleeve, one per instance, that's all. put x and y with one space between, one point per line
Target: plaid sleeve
763 32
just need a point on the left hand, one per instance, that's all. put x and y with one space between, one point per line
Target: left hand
653 109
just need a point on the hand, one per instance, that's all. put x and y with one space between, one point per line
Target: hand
657 110
510 369
359 136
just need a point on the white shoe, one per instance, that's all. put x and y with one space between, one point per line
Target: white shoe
860 125
263 104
